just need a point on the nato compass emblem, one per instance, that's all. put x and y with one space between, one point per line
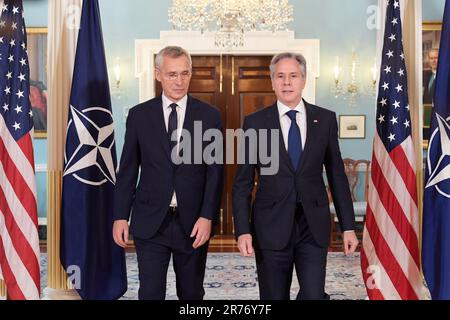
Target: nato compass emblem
439 158
89 158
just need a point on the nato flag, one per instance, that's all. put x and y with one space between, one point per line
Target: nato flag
436 214
94 263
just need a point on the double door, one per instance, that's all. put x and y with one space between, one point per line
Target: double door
237 86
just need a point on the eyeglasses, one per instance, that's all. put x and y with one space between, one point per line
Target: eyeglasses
172 76
290 77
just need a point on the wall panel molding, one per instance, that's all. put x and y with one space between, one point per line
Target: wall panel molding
41 167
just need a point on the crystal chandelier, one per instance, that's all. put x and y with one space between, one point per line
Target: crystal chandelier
230 19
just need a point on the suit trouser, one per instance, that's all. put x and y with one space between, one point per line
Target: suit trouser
154 255
275 267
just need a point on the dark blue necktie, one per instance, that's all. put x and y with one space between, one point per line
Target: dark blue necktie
173 123
294 140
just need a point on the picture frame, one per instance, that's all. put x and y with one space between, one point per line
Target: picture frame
431 36
352 127
37 59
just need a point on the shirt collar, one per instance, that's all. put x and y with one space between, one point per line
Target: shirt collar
283 109
167 102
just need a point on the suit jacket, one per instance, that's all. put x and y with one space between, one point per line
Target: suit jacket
198 187
428 93
271 217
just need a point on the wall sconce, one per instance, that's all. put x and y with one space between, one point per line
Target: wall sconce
373 85
117 72
352 88
337 88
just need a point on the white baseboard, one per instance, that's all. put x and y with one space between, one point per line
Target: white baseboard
41 167
42 221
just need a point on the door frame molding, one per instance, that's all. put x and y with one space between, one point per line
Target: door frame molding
255 43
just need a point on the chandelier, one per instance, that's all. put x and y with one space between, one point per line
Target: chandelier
230 19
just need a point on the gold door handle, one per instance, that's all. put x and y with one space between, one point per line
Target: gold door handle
221 221
232 224
221 74
232 76
2 288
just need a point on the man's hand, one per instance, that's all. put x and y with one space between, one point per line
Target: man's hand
245 245
120 233
201 232
350 242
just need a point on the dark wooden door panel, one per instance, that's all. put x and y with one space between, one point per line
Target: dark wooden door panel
204 96
251 102
251 90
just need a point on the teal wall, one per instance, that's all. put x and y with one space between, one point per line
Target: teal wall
36 13
433 10
340 26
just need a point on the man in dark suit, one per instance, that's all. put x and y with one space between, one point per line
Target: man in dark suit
429 76
174 206
289 224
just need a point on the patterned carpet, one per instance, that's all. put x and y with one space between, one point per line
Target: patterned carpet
232 277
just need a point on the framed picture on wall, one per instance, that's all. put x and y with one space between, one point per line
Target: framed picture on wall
37 59
431 38
352 127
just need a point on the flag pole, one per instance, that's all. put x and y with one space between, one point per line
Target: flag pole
61 57
2 288
412 40
413 51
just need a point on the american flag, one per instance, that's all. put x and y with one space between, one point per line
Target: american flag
19 242
390 257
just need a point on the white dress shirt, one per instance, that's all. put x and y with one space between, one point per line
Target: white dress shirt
181 112
285 121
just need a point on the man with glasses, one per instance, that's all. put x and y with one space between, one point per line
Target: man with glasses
289 224
173 206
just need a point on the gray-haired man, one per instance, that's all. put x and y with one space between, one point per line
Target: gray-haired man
290 221
173 206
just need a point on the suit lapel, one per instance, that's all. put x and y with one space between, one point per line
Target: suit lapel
160 125
188 124
189 116
273 122
312 125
